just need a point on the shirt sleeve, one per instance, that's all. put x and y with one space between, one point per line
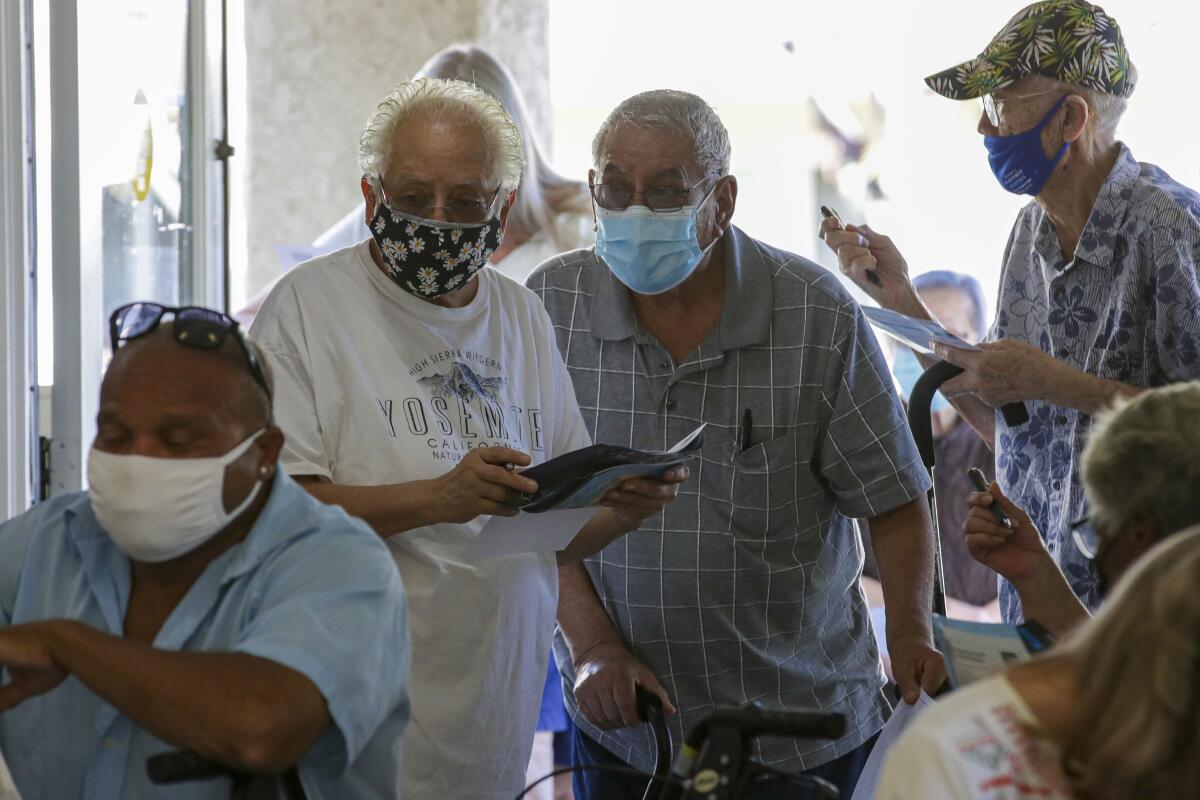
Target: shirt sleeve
332 608
15 536
570 432
866 453
1177 303
279 331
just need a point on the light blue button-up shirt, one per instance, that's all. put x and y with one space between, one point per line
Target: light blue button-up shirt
310 588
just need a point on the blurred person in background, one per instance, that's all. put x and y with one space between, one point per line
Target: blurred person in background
957 300
1109 715
1099 297
551 214
1140 474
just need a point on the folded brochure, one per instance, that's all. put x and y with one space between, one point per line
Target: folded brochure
921 334
977 650
580 478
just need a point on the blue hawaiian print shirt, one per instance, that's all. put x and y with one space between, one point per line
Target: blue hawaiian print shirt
1126 308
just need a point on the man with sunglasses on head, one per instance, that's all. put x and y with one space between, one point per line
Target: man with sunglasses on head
414 384
747 588
1099 297
195 597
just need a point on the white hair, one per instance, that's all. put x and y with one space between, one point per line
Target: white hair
1104 109
1141 461
451 101
679 112
544 193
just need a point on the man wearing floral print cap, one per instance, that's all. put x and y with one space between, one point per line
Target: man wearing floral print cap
1098 297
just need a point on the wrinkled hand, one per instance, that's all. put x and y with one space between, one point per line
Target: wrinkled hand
25 652
480 484
916 665
1017 553
606 679
1000 372
638 498
859 249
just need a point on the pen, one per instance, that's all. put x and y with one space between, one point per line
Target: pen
829 213
744 432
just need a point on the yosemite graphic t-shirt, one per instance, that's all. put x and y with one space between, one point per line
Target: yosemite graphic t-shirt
374 386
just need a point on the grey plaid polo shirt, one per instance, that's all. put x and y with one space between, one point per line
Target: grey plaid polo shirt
747 587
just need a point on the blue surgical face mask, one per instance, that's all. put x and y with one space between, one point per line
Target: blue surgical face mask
651 252
1019 162
907 370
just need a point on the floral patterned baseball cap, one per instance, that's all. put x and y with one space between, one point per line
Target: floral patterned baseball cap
1071 41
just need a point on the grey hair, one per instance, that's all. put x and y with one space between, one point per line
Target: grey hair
544 193
1105 109
1135 731
679 112
451 101
1141 461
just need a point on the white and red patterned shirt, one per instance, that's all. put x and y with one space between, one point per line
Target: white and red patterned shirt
980 743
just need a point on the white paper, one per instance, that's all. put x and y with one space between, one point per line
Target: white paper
902 717
546 532
920 334
8 789
686 441
976 650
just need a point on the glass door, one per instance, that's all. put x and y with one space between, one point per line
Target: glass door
18 391
135 196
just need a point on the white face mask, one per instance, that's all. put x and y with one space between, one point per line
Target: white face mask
156 509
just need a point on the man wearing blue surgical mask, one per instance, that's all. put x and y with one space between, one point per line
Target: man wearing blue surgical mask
1099 297
187 601
747 588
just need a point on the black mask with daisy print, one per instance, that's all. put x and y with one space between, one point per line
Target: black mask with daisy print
428 258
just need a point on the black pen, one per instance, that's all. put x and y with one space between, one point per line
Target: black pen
744 433
829 213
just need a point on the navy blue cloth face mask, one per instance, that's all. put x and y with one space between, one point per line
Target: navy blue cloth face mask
1019 162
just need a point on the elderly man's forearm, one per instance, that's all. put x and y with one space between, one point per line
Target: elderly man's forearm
1049 600
1069 387
903 544
581 616
389 510
242 711
600 531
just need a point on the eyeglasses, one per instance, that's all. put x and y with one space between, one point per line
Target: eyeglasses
194 326
1087 539
465 210
663 199
994 108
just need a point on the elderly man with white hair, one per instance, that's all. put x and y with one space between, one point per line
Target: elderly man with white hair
746 589
1099 297
410 383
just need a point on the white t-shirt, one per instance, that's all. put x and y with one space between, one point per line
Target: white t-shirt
375 386
978 743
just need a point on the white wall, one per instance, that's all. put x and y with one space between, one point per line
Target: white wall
313 72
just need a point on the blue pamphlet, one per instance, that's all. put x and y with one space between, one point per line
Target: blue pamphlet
580 478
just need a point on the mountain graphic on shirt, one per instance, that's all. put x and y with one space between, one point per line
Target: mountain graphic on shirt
462 382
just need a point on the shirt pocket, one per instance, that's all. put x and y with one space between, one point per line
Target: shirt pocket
763 491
